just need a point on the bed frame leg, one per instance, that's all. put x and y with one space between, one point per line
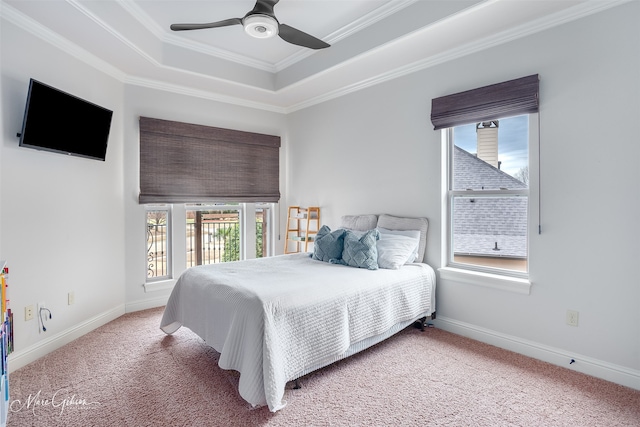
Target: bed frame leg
422 323
297 386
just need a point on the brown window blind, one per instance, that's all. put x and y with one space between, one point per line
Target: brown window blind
187 163
510 98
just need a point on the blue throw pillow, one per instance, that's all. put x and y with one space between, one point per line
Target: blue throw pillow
361 251
328 245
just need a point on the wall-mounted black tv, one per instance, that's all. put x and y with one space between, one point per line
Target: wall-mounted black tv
60 122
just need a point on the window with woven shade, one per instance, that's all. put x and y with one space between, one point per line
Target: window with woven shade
221 181
490 134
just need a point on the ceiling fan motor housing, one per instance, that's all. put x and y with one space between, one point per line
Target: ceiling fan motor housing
260 26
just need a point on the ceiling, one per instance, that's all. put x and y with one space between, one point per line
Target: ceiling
371 41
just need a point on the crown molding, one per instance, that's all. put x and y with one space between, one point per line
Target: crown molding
113 32
541 24
33 27
148 23
29 25
363 22
576 12
203 94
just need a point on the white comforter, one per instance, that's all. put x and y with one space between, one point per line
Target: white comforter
273 318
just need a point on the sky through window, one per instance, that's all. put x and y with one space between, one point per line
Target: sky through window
513 143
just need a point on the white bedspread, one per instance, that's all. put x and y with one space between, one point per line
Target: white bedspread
272 318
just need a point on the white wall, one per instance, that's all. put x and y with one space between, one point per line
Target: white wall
168 106
374 151
62 221
71 224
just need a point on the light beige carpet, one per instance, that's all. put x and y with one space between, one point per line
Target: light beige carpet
129 373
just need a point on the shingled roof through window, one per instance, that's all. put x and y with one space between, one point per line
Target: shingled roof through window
470 172
481 223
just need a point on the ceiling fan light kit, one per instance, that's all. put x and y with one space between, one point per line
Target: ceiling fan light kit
260 26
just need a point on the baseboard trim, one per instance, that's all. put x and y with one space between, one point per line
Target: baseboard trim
146 304
20 358
587 365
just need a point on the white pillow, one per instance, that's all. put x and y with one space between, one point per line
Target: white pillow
395 250
403 223
414 234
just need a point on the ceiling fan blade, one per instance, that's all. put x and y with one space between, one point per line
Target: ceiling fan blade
264 7
225 23
295 36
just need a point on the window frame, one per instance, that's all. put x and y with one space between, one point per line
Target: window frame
247 219
498 278
269 222
169 242
178 245
222 206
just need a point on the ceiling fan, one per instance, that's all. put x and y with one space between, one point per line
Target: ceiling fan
261 23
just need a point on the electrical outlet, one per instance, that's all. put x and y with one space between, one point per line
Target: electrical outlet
71 298
28 312
572 318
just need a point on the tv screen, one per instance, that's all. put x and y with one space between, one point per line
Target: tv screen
60 122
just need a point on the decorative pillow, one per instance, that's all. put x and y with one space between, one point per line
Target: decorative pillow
395 250
412 234
328 245
361 252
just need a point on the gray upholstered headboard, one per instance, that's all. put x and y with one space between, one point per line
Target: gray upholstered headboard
390 222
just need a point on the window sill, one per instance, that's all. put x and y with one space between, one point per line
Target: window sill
495 281
160 285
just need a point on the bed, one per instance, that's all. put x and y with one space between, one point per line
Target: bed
279 318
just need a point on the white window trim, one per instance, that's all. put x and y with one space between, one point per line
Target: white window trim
488 280
271 225
159 285
169 275
492 278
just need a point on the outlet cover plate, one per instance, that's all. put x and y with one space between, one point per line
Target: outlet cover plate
572 318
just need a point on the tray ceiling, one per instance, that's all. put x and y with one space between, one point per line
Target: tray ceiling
371 41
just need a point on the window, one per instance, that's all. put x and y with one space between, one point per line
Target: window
204 233
491 134
488 196
221 184
213 234
216 232
158 242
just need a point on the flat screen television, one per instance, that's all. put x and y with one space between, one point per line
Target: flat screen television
62 123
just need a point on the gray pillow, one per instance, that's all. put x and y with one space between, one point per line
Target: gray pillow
359 222
328 245
361 251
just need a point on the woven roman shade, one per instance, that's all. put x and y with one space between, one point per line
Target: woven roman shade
510 98
187 163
